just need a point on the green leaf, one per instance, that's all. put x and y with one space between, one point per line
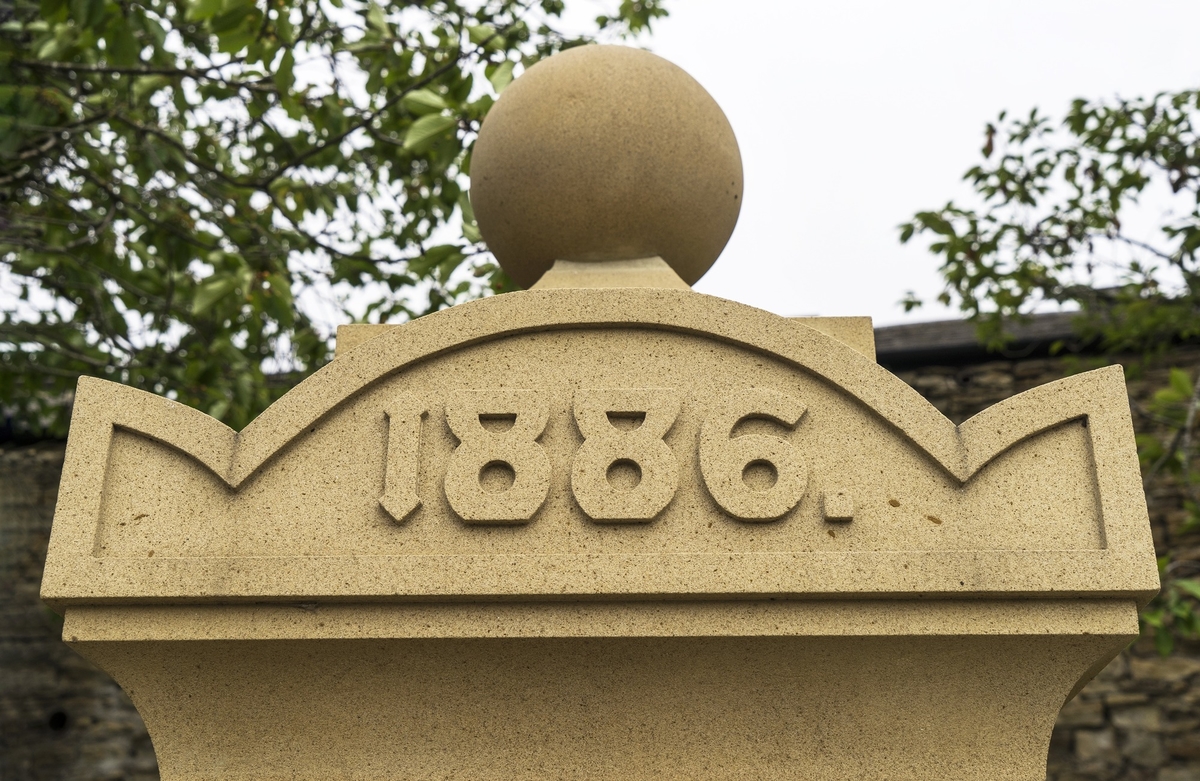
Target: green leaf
470 229
283 74
51 8
502 76
281 286
1190 587
376 19
437 259
427 128
200 10
122 45
219 408
146 86
424 101
1164 642
96 12
1181 383
211 291
79 12
283 26
479 33
55 44
464 205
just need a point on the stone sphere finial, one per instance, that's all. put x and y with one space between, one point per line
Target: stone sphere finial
605 153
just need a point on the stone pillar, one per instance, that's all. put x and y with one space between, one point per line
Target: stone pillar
607 527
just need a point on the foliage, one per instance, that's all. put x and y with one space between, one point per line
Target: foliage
1058 206
1173 612
187 186
1167 447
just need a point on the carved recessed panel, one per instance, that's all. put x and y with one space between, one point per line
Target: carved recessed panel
581 445
722 465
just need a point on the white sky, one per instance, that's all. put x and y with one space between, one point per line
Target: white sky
851 116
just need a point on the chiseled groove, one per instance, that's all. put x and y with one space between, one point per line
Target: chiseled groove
861 618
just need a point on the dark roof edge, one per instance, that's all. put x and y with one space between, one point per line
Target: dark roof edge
954 342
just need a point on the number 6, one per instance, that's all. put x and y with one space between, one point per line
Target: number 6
724 461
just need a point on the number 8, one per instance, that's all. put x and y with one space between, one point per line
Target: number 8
640 449
515 450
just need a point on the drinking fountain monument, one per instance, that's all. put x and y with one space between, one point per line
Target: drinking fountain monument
606 527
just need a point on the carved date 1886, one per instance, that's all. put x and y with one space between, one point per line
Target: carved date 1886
623 472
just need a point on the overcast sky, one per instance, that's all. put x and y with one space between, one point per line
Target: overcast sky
851 116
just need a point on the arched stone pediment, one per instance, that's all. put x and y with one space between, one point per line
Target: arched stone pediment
1035 495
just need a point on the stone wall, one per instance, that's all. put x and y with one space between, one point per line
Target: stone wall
62 719
1138 719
